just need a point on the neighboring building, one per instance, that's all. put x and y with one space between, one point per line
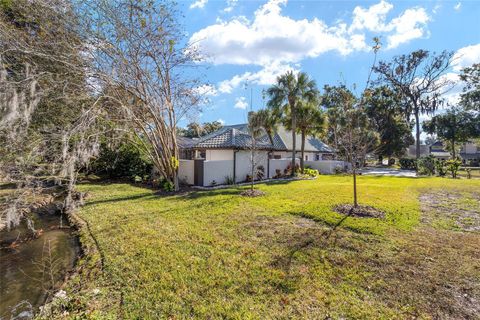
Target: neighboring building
224 156
437 150
469 153
411 151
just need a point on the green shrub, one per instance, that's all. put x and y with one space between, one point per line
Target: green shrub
229 180
124 161
260 173
167 186
426 165
453 166
440 168
408 164
338 169
311 172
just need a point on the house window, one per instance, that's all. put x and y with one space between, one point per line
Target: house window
277 156
317 157
306 158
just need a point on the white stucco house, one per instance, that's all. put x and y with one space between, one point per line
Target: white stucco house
224 156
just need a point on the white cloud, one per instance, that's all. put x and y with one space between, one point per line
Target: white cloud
231 4
240 103
372 19
198 4
272 37
466 56
266 76
221 121
457 6
408 26
206 90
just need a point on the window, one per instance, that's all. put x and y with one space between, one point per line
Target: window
317 157
306 158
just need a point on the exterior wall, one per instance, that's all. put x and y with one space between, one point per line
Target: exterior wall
244 165
327 166
186 171
218 171
470 148
424 151
279 164
312 156
214 155
282 154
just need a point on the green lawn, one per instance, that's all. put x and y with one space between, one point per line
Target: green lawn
217 255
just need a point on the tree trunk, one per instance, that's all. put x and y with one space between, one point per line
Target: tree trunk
253 168
355 201
453 149
175 180
294 136
302 167
417 142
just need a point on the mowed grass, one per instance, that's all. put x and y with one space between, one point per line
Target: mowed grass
217 255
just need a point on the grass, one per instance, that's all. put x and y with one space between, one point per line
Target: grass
214 254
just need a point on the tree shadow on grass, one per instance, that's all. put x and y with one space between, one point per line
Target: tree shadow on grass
146 196
211 193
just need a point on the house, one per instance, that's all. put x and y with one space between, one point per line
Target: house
438 151
469 152
225 156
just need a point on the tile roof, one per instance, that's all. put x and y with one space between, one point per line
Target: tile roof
238 137
312 144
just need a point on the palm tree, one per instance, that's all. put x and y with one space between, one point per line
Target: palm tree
285 95
310 122
265 119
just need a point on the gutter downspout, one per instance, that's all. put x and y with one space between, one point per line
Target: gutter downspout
268 164
234 166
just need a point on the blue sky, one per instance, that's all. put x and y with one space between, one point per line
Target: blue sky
248 43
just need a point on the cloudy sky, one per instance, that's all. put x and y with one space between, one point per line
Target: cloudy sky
247 44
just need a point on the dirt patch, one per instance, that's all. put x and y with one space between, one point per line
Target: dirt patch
252 193
451 210
359 211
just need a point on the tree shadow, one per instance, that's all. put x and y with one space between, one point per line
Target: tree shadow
145 195
192 195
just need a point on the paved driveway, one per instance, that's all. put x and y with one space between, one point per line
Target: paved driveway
388 172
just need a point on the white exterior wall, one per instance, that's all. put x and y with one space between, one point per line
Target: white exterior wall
185 171
312 156
280 164
244 166
214 155
326 166
217 170
284 154
470 148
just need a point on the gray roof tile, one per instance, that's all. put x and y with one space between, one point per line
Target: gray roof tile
237 137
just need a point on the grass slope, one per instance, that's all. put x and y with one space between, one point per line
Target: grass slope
214 254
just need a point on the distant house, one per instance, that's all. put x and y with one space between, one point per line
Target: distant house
438 151
225 155
469 153
412 149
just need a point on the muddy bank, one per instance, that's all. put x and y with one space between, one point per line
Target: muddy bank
32 265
